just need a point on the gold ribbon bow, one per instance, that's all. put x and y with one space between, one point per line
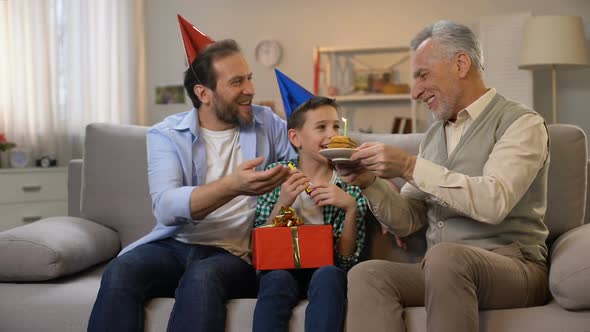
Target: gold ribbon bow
288 218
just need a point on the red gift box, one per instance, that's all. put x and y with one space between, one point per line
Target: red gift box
278 248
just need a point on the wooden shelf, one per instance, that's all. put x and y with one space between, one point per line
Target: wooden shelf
356 68
372 97
363 50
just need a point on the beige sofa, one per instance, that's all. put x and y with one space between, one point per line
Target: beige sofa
50 270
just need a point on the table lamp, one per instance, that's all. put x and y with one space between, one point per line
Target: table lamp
551 42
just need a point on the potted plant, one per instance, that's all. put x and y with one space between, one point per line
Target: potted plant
5 145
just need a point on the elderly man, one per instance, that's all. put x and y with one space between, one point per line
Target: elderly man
478 185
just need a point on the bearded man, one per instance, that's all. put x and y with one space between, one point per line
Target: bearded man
204 171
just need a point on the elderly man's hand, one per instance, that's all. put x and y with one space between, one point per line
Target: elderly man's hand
385 161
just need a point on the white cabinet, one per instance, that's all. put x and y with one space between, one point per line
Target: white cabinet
371 84
30 194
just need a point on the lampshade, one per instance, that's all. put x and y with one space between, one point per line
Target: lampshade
554 40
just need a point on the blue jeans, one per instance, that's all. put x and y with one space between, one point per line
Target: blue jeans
201 279
280 291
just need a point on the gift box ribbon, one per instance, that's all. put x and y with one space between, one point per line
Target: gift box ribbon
288 218
296 252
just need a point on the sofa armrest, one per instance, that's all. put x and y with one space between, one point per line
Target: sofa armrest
74 186
569 274
587 214
54 247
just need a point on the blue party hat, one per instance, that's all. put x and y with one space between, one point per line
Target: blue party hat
293 94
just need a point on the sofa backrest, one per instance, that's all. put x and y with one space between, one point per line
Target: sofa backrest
408 142
114 180
566 196
115 190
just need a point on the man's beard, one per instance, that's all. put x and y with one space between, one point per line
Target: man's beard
444 114
224 111
445 111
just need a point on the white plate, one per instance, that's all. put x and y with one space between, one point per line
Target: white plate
340 155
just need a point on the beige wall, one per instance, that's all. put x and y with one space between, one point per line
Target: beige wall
301 25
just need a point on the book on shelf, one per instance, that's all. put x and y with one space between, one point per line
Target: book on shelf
401 125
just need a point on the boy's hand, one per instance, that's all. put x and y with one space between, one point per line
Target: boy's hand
331 194
292 187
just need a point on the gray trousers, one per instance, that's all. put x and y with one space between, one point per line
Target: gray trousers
453 282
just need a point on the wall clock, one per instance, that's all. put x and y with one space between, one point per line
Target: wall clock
268 52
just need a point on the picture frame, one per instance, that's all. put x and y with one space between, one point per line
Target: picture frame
170 94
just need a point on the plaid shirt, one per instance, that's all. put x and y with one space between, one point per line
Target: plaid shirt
332 216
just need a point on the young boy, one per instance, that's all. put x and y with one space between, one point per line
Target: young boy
330 202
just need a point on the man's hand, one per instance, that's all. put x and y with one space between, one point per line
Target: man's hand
402 243
292 187
331 194
385 161
247 181
355 174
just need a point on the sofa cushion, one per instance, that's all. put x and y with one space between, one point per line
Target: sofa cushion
566 196
59 305
408 142
240 313
114 180
54 247
570 269
547 318
587 214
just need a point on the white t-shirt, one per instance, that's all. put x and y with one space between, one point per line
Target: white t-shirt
230 225
307 209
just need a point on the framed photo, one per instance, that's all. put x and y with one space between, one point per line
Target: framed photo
170 94
361 81
20 157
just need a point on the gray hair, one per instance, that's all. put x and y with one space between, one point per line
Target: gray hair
454 38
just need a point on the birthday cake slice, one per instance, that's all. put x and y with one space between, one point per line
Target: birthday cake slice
339 142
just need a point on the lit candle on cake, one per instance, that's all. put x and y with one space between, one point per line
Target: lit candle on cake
342 142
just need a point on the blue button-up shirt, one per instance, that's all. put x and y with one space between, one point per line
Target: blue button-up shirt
177 163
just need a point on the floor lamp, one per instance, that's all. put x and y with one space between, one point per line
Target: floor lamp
552 42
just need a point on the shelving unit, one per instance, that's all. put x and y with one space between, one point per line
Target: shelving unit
372 97
367 80
363 50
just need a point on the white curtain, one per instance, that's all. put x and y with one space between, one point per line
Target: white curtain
67 63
